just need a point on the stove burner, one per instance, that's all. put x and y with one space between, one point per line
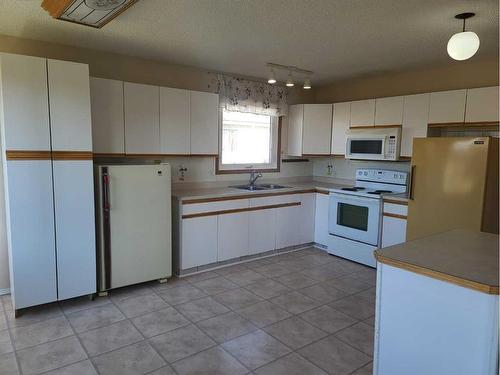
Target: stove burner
355 188
378 192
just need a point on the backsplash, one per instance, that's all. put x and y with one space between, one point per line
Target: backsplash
202 169
340 168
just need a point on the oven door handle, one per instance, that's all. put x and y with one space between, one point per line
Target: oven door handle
350 198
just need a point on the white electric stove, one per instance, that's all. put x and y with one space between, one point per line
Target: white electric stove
355 213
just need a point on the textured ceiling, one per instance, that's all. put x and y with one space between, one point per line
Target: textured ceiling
337 39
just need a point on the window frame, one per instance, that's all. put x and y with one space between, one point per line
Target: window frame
272 167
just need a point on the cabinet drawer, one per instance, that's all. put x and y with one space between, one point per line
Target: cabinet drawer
397 209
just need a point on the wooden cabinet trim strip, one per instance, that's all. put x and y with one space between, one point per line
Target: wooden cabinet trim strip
71 155
245 196
396 216
121 155
320 191
375 126
461 124
236 210
28 155
484 288
395 201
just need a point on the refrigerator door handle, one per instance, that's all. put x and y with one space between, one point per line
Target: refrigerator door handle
410 187
106 229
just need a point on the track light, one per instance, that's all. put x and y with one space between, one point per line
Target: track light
289 81
307 84
272 77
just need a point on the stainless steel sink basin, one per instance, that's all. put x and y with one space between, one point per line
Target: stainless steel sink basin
272 186
257 187
248 187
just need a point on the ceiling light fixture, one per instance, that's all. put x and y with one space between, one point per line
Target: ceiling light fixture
292 70
272 78
463 45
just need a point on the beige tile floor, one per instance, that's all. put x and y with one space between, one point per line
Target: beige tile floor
304 312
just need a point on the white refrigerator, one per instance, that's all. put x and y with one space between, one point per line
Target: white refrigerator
133 224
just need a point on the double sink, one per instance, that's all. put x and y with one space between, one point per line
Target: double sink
256 187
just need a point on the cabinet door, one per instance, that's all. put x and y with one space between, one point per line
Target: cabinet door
175 127
321 219
447 107
389 111
393 231
232 236
317 129
75 227
305 225
31 239
415 120
108 126
204 123
363 113
482 105
198 241
25 110
69 98
142 118
295 129
287 219
262 231
340 126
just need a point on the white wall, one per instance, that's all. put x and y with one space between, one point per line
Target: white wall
4 258
346 169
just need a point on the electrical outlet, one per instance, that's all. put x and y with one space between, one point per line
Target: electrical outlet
329 171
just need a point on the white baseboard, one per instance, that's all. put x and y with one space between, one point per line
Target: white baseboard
4 291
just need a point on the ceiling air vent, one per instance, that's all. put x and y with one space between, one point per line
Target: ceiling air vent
94 13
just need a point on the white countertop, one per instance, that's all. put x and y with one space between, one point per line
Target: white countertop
193 192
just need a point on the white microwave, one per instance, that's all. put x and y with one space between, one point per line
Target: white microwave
373 144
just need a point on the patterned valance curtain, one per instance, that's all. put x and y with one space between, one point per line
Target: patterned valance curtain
242 95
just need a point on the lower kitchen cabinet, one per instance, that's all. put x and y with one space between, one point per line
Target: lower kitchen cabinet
198 241
262 231
75 233
321 219
30 217
394 224
232 236
287 221
306 219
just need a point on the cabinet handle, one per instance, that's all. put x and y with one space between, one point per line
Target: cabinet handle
412 177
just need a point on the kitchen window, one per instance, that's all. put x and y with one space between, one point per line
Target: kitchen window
247 141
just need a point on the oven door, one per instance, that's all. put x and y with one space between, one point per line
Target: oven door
354 218
366 147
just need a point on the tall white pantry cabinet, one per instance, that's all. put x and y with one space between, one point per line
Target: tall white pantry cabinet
48 178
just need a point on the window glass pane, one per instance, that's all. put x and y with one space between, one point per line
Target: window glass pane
246 138
366 147
352 216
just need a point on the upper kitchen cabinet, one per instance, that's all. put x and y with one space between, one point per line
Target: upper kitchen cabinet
415 119
363 113
340 125
25 102
447 107
482 105
204 123
175 122
69 100
317 129
310 127
295 129
108 131
142 118
389 111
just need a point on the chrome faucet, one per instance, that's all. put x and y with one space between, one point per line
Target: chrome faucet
254 175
